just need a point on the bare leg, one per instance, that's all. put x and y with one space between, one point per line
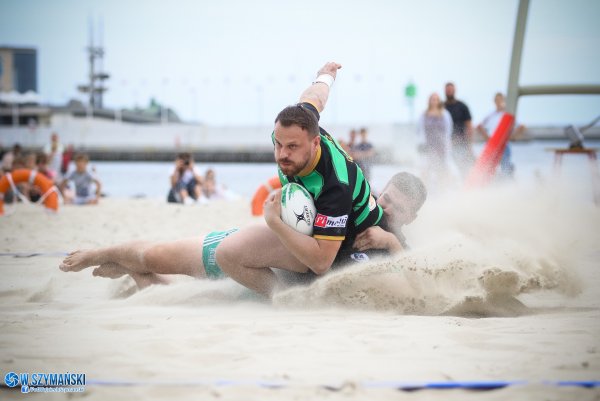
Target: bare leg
110 270
177 257
247 255
142 280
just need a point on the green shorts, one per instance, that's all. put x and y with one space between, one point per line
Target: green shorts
209 250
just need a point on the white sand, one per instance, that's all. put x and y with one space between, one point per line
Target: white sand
526 261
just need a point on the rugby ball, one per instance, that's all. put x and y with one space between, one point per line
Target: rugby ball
297 208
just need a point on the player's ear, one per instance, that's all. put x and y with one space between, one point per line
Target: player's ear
316 140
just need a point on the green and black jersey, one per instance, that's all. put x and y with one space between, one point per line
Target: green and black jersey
342 195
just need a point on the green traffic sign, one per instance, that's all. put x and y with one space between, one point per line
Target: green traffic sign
411 90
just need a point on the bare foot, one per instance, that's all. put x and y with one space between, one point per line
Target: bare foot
79 260
110 270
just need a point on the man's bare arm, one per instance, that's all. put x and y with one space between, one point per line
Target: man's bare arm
318 93
316 254
377 238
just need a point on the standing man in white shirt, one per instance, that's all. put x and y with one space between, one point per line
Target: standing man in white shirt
488 127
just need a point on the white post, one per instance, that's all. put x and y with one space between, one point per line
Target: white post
512 94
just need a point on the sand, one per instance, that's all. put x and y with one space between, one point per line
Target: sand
500 285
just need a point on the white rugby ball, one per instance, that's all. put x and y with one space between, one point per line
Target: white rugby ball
297 208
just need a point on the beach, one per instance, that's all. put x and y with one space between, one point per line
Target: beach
500 286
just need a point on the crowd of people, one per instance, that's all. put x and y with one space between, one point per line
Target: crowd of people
447 132
67 170
446 135
78 184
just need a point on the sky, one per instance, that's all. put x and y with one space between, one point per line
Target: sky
236 62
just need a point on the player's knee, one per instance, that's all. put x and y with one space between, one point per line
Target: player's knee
152 258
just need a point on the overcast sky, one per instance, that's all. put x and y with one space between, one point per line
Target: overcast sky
237 62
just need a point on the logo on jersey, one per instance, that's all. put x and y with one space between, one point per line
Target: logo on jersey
330 222
359 257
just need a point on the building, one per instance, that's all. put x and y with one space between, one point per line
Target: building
18 69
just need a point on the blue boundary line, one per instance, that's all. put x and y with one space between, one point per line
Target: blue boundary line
397 385
32 254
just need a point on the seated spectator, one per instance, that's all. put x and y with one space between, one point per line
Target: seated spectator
9 157
210 188
30 161
83 180
18 162
42 165
39 162
186 183
30 191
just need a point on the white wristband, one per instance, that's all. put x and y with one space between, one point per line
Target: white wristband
326 79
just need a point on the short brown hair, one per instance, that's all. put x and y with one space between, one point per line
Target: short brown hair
82 156
185 156
300 116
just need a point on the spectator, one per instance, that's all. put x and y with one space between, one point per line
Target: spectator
54 150
83 181
344 145
30 161
186 182
42 165
10 156
28 190
435 127
488 127
462 132
210 188
352 141
363 153
67 156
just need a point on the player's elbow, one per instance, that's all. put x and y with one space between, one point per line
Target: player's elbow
323 258
321 267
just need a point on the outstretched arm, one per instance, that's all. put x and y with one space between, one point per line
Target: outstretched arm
318 93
